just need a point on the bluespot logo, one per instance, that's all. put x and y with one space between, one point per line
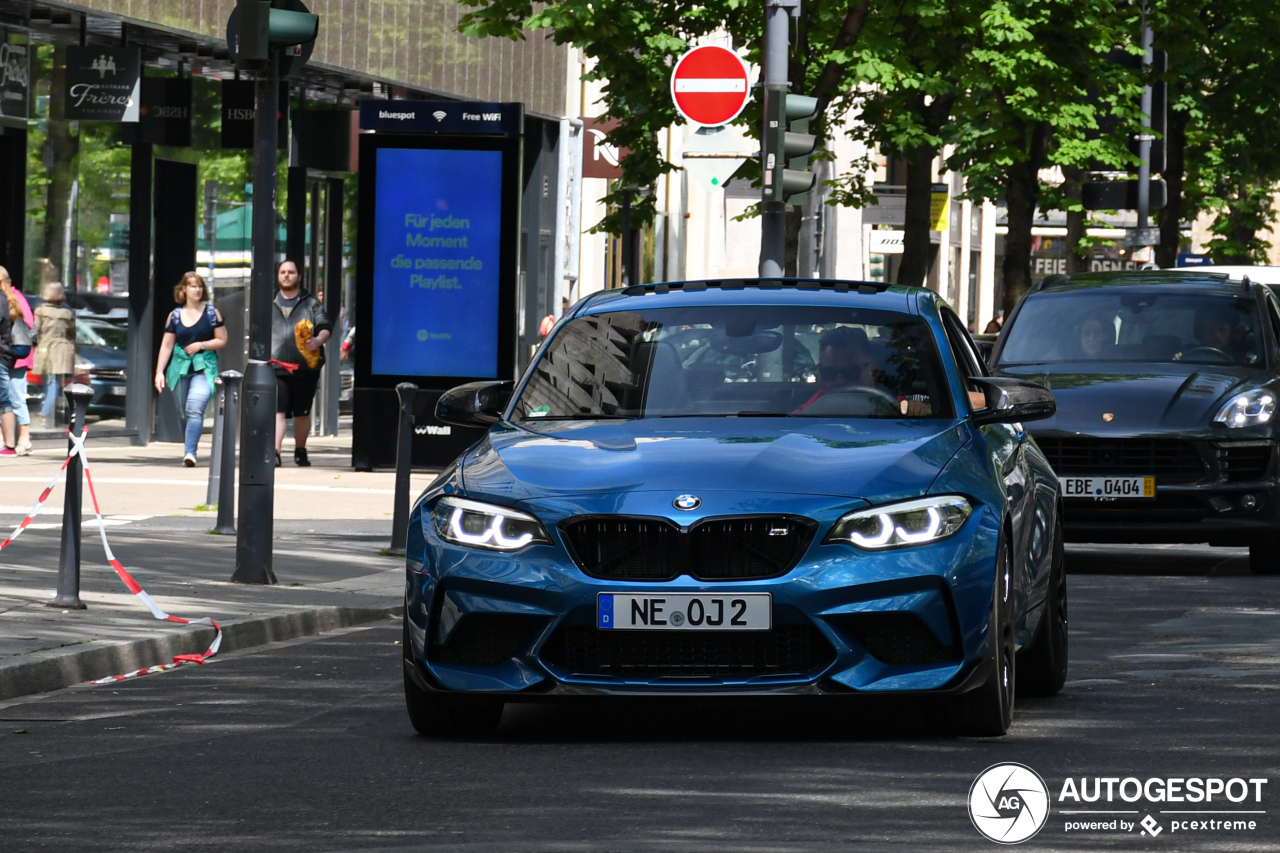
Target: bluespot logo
1008 803
687 502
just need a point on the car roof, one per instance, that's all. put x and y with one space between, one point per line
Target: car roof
1264 274
756 291
1195 278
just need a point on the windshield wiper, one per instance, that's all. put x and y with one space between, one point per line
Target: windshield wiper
753 414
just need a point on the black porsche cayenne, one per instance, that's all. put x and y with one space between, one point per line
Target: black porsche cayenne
1167 386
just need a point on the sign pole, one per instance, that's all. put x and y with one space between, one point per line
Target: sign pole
257 449
773 214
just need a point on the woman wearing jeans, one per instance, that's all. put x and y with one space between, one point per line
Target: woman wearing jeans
192 338
19 420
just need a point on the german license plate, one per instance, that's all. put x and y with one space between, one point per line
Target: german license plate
1108 488
637 611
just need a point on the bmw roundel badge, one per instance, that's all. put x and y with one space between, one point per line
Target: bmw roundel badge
687 502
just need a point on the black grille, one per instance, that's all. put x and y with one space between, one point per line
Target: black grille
1242 464
784 650
1169 460
625 547
1165 509
488 639
640 548
897 638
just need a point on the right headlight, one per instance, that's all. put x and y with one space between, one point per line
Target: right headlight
1252 408
487 526
902 525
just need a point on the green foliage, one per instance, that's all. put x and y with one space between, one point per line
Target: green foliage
1224 73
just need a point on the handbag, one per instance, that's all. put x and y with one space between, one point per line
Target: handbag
24 339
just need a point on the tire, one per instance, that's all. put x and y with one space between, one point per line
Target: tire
443 715
1042 664
987 711
1264 556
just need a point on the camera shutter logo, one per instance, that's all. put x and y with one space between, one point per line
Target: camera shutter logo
1009 803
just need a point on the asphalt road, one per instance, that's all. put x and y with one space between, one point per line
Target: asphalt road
305 746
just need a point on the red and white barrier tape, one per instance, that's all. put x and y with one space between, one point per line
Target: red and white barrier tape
77 448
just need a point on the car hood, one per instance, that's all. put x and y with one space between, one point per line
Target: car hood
1138 397
877 460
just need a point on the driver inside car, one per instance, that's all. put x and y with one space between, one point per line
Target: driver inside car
844 358
1219 329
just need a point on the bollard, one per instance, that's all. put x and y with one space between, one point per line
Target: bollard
68 597
257 476
227 477
404 463
215 453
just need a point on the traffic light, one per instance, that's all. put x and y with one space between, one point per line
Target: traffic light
788 143
255 28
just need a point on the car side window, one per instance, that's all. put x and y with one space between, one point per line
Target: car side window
1273 314
967 357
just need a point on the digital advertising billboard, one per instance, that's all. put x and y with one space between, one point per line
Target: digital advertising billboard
437 250
436 265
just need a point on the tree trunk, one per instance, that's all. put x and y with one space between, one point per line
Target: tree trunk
62 147
1077 256
917 254
1169 217
1022 190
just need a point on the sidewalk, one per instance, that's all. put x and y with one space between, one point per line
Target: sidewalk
331 525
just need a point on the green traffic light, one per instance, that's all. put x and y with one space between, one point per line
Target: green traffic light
285 27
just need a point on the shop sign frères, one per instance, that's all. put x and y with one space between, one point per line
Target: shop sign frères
103 83
15 75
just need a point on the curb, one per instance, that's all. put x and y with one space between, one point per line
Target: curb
44 672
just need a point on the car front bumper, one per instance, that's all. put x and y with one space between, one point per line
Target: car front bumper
844 621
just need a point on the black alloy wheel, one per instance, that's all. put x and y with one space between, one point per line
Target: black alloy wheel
439 715
987 711
1042 664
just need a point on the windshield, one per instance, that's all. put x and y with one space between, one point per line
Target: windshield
1126 324
738 360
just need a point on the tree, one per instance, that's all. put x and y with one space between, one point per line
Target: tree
1224 125
1037 82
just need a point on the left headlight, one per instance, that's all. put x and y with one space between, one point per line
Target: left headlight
1252 408
481 525
902 525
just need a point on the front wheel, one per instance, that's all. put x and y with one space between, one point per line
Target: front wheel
1042 665
437 714
1264 556
987 711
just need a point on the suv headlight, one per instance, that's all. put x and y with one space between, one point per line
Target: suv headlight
1252 408
902 525
481 525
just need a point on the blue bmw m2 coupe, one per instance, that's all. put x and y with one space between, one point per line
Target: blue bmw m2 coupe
741 487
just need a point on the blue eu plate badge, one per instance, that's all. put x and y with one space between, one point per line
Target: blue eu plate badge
604 611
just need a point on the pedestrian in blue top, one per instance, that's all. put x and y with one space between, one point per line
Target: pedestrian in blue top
191 340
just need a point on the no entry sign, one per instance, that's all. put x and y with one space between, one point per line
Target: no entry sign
709 86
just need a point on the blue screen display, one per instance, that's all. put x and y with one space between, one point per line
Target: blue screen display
437 238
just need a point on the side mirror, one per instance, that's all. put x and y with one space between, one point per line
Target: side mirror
474 404
1012 401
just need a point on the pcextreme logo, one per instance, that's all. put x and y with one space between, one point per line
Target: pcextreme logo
1008 803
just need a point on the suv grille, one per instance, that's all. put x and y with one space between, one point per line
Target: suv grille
1244 463
640 548
1169 460
784 650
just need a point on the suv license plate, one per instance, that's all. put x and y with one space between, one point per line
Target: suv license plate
1108 488
641 611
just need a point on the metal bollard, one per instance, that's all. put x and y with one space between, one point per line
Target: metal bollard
215 453
227 477
404 464
257 477
68 597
